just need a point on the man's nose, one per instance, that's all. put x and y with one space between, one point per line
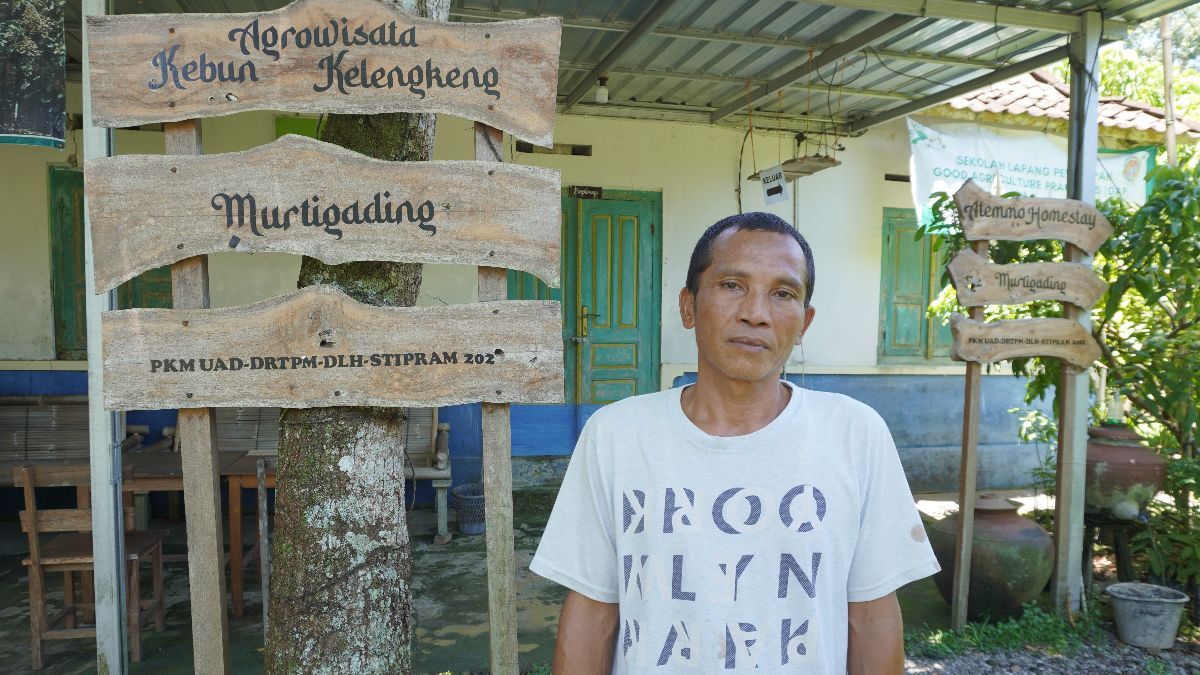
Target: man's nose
754 309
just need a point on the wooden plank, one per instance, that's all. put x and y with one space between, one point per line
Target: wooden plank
984 342
986 217
350 56
968 472
264 538
300 195
497 469
979 283
319 347
197 434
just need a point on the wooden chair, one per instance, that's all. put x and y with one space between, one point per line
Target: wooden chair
71 552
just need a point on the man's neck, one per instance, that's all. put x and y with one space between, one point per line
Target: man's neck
732 408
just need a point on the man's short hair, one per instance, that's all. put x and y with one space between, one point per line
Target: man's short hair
759 221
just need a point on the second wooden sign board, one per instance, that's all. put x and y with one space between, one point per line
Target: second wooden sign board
350 56
298 195
978 282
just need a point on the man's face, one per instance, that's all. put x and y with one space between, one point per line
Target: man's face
748 310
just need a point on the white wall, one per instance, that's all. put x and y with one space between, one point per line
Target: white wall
694 166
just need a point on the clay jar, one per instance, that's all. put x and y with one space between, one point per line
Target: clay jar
1012 558
1122 474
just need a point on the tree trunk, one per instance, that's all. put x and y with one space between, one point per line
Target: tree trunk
341 597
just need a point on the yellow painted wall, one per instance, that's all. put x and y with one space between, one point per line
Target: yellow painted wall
694 166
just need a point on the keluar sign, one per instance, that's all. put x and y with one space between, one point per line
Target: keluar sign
356 56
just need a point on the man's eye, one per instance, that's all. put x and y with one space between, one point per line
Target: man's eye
730 285
785 294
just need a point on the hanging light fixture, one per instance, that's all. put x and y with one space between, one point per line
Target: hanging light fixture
602 90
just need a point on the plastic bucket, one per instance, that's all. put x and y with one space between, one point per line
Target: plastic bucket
1147 615
468 506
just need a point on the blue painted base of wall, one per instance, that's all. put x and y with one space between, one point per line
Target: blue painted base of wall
924 413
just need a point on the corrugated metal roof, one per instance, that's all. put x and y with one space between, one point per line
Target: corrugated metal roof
704 55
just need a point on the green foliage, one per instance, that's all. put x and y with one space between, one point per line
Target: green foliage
1146 39
1139 77
1170 545
1034 628
32 60
1040 429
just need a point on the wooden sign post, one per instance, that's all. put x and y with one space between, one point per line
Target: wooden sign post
316 347
497 468
979 283
197 433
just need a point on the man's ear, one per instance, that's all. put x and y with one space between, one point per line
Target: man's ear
810 313
687 308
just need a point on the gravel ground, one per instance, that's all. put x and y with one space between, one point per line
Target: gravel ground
1108 656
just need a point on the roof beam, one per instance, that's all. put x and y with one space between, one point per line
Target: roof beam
967 87
845 47
979 12
649 21
725 79
732 38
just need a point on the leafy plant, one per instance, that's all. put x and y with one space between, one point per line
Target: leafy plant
1034 628
1038 428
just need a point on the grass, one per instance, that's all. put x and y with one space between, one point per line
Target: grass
1034 628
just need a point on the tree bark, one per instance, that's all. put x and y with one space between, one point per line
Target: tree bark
341 599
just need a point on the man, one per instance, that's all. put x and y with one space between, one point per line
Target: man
741 523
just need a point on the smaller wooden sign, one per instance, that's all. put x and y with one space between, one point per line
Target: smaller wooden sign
984 342
585 192
318 347
986 217
299 195
980 283
348 56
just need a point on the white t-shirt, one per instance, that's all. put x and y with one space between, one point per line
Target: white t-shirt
730 554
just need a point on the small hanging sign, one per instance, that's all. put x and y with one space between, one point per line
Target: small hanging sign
585 192
775 187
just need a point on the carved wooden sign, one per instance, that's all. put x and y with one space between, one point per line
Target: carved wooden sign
350 56
980 283
299 195
985 342
1025 218
318 347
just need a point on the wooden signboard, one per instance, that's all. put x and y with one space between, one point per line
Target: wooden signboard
980 283
303 196
349 56
319 347
984 342
986 217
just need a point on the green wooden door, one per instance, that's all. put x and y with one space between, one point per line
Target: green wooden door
615 315
910 274
611 257
66 263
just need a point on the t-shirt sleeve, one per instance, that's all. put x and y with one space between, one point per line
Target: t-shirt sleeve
892 548
578 549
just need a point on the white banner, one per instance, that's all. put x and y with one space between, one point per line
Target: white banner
1033 163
